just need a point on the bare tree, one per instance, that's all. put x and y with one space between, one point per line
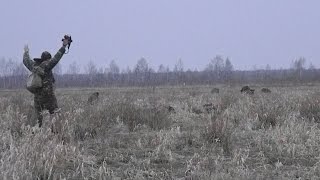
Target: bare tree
10 66
142 66
268 67
141 70
215 68
179 66
92 71
298 66
3 61
311 66
228 68
57 70
91 68
228 65
73 68
218 65
178 71
114 68
161 69
299 63
20 70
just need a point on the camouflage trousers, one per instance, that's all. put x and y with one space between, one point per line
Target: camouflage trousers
44 102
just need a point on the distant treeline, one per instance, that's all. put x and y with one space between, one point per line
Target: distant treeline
171 78
13 75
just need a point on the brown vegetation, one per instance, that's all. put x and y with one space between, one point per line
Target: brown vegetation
265 90
247 90
215 90
94 97
130 134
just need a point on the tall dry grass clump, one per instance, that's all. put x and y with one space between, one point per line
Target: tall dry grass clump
271 110
310 107
33 153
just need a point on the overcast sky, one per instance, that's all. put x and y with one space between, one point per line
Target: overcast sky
249 32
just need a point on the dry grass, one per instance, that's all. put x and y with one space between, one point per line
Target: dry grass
130 134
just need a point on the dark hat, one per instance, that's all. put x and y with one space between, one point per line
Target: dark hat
44 56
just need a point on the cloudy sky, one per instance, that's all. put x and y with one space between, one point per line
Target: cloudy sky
249 32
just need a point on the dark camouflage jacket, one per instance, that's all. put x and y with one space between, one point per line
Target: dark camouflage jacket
46 73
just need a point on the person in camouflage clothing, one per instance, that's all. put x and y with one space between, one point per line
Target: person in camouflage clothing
44 98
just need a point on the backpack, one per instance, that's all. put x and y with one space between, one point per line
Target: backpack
34 80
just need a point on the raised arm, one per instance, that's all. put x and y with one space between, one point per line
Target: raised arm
26 59
56 58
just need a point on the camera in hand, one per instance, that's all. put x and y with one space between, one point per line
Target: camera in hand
68 37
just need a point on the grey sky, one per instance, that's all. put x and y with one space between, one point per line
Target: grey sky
249 32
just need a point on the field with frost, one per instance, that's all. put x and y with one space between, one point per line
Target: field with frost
164 133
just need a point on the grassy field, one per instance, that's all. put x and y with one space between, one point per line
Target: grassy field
130 133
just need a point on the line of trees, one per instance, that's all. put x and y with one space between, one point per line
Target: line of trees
219 70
